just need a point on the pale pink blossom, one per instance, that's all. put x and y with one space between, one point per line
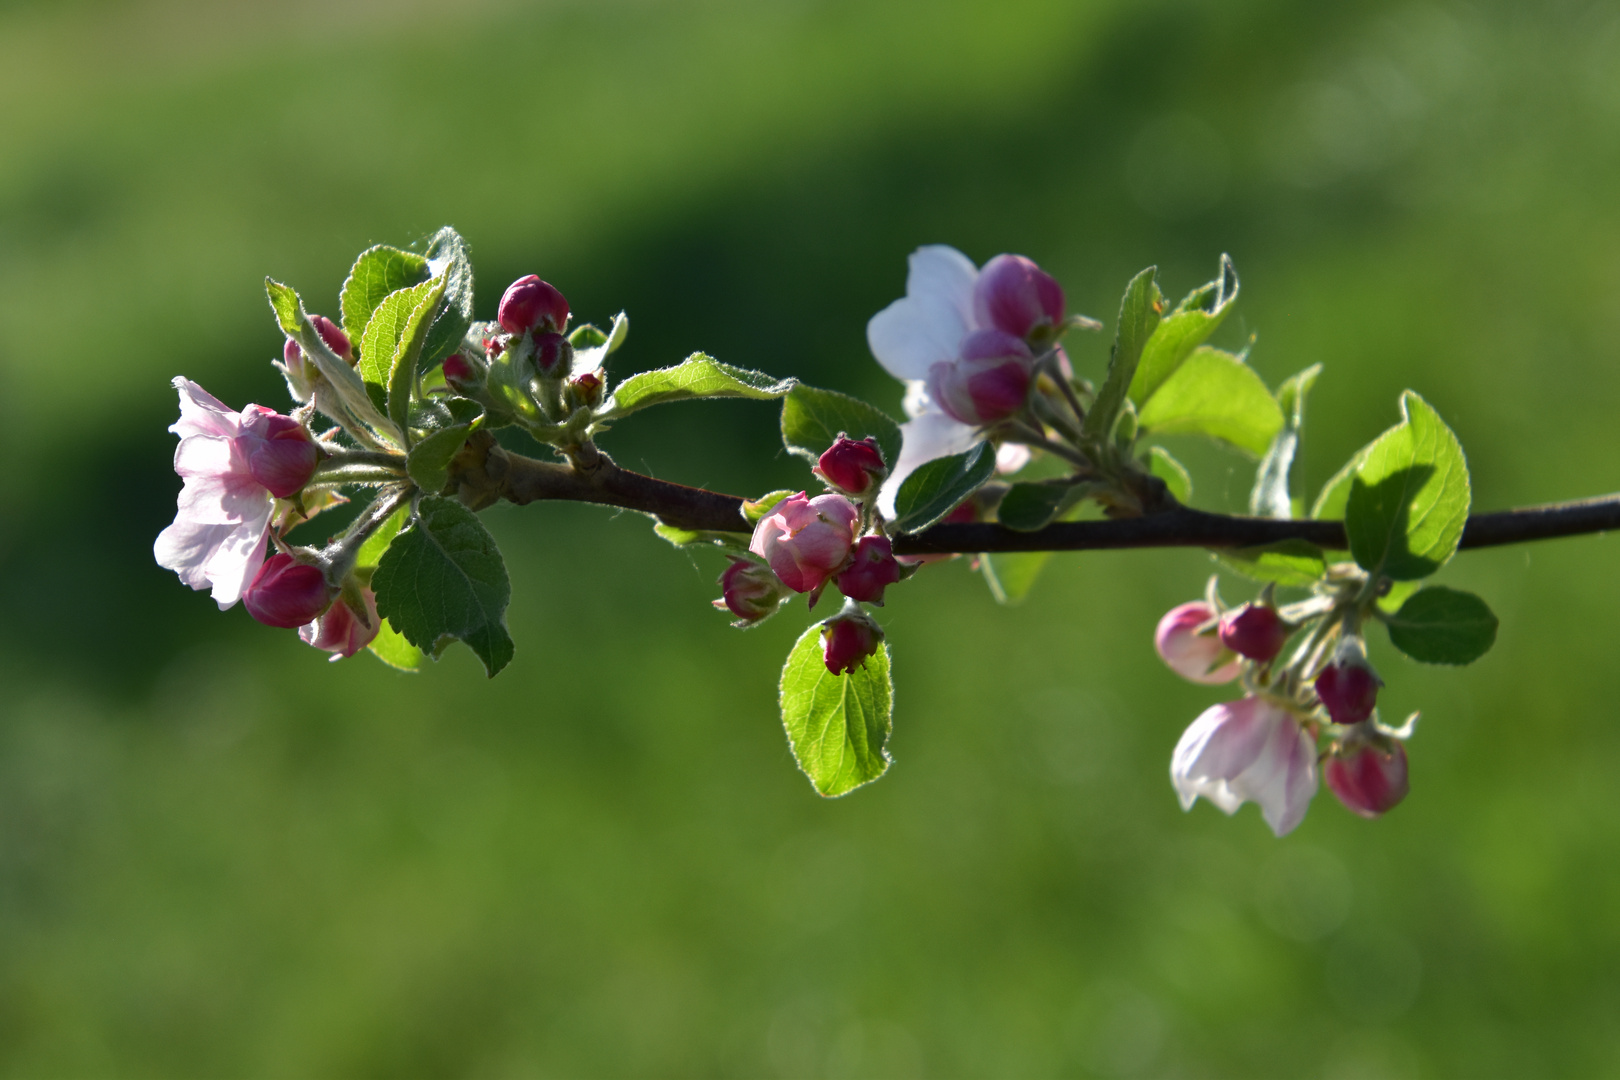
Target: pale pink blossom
1247 751
805 540
1199 657
229 462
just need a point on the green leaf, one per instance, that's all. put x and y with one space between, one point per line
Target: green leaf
1335 494
371 552
379 342
429 460
1270 495
1183 330
1215 393
1139 315
444 577
447 258
939 486
351 391
678 536
1287 562
412 340
377 272
1028 506
391 648
1171 471
755 509
1438 625
1409 498
813 418
1011 575
1392 600
699 376
592 347
837 725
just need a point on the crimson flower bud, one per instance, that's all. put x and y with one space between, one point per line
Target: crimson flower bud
552 355
283 456
872 569
460 374
989 382
1016 296
287 593
750 591
335 338
1369 779
1348 688
855 468
1255 631
1199 657
341 632
847 640
532 304
586 388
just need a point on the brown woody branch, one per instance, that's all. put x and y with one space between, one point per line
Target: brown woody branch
486 473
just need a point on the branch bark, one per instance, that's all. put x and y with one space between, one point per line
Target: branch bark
501 474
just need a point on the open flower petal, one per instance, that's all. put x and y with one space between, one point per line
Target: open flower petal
926 326
1247 751
201 413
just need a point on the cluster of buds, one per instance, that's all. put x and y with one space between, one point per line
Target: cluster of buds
1263 747
801 544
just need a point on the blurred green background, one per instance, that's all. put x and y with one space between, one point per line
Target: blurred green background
220 856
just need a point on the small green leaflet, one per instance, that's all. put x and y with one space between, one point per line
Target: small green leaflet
1335 494
592 347
444 577
753 510
1409 496
1270 496
699 376
389 645
1288 562
447 258
1438 625
381 340
1139 315
939 486
429 460
1215 393
813 418
837 725
377 272
1172 472
1028 506
1183 330
1011 575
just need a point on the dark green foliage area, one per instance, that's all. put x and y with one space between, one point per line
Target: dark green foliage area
222 856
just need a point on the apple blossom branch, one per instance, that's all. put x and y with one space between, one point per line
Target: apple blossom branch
492 473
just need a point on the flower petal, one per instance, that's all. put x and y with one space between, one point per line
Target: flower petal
927 325
201 413
929 436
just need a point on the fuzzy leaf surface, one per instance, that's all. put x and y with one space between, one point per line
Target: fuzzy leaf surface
447 258
812 419
837 725
377 272
699 376
1183 330
1139 315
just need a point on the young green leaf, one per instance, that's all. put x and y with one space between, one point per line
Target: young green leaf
1335 494
1409 497
1438 625
294 320
377 272
837 725
592 347
371 552
444 577
1183 330
1288 562
408 353
753 510
1011 575
1028 506
391 648
699 376
813 418
1270 496
939 486
429 460
1215 393
447 258
1172 472
1139 315
379 342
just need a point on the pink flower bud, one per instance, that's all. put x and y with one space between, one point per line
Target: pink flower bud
292 356
335 338
1369 779
532 304
1255 631
750 591
1348 689
586 388
286 593
1016 296
281 454
806 540
1191 654
989 382
460 375
856 468
340 632
847 640
552 355
872 570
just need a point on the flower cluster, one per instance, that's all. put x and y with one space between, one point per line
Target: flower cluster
1262 748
